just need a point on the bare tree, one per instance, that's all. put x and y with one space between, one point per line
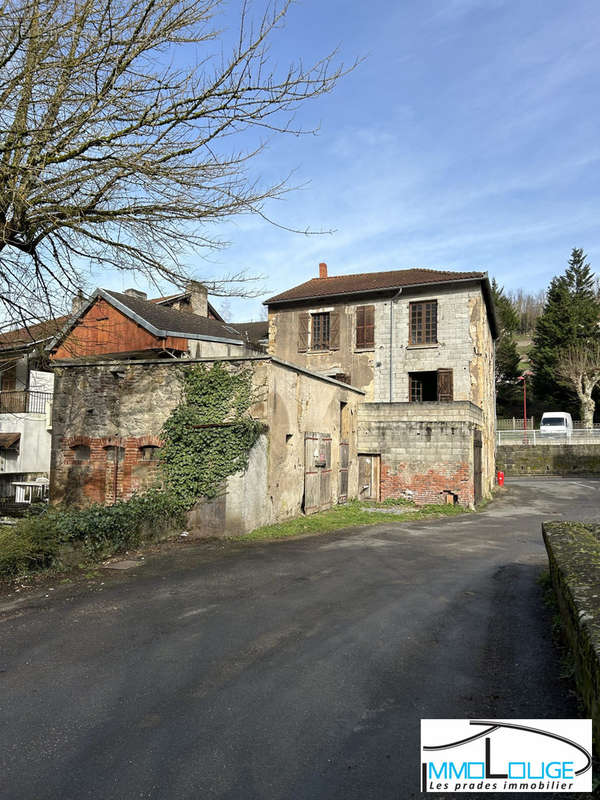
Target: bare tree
579 366
115 154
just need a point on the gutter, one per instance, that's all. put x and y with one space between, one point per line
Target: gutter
399 292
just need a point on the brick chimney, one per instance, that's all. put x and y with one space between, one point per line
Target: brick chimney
77 303
198 298
322 270
136 293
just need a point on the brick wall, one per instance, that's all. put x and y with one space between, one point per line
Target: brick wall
426 449
115 468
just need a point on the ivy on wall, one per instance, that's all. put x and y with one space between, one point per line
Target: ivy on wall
210 434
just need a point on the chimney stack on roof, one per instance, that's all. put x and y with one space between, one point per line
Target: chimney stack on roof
77 303
136 293
322 270
198 298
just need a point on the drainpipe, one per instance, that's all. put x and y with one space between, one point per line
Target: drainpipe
395 297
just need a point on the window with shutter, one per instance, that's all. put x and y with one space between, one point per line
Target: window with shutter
303 323
365 327
423 323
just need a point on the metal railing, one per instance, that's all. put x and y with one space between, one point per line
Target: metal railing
534 437
20 402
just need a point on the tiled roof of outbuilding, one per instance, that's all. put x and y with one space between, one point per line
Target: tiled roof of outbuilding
175 322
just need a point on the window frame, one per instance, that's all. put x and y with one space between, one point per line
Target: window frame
320 342
428 334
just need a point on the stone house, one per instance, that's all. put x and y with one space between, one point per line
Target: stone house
118 364
106 436
420 344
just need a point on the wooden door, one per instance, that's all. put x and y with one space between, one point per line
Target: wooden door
445 389
368 477
317 472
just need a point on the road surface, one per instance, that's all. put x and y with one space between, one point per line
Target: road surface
288 670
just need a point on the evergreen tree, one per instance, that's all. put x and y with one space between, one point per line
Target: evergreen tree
507 356
571 314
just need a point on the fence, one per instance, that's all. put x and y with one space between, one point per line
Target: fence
533 437
20 402
513 423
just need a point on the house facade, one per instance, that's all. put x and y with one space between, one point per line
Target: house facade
420 344
26 391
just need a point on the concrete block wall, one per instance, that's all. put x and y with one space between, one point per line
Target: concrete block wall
426 449
454 349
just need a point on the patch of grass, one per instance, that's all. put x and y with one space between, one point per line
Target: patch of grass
349 515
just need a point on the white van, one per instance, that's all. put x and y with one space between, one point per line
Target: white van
556 423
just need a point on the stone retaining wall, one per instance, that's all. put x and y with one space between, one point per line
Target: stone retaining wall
574 558
548 459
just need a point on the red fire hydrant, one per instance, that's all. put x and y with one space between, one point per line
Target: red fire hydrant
500 479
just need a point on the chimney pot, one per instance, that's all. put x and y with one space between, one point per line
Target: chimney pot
322 270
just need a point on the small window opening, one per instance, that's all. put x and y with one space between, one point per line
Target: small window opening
423 387
115 453
149 452
81 452
288 437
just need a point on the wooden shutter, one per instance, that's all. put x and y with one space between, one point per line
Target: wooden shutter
303 323
334 330
445 388
365 326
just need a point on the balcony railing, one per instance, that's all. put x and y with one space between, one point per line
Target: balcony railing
20 402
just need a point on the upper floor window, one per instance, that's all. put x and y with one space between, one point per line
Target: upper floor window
423 322
365 326
320 331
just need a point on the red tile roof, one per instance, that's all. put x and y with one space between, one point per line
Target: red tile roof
369 282
22 337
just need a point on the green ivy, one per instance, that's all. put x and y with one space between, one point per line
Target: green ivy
210 434
207 437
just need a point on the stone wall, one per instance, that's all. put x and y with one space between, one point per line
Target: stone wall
426 449
574 559
548 459
105 414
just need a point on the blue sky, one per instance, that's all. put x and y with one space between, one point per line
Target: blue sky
468 138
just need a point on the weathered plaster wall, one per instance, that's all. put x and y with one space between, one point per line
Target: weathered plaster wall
358 364
125 404
426 449
547 459
298 404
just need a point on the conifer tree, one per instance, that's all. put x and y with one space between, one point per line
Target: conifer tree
571 315
507 356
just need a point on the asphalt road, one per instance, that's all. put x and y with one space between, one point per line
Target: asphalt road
297 669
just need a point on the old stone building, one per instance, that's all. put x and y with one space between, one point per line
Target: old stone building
108 417
420 344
